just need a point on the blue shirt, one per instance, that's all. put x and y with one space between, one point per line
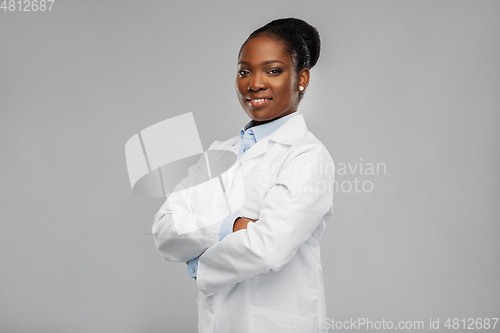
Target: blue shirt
249 135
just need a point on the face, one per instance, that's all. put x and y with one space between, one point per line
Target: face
267 84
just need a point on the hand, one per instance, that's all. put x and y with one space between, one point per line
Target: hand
241 223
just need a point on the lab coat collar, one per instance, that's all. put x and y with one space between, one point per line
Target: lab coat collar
263 130
290 131
286 134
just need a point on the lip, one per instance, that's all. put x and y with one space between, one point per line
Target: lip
258 101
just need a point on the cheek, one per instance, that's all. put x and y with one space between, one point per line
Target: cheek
287 88
289 83
240 87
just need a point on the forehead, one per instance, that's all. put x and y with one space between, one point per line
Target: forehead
263 48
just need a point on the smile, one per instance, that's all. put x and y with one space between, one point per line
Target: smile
258 101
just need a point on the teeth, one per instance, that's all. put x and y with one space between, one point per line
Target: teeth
260 100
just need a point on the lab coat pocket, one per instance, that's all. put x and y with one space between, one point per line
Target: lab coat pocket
265 320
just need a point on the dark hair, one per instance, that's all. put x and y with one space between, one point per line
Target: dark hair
300 39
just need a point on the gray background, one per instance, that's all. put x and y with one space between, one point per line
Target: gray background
412 84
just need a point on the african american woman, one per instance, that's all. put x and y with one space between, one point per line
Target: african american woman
258 269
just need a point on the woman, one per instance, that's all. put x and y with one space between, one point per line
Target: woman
258 268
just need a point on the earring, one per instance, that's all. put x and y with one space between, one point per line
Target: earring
301 88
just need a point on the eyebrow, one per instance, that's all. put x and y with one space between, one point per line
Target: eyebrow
264 63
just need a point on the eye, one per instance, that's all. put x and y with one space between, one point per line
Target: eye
275 71
243 72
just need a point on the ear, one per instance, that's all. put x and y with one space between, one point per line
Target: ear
303 78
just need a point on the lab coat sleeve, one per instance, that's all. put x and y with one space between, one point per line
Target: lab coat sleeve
300 197
225 229
181 234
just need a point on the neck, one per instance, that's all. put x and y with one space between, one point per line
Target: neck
260 122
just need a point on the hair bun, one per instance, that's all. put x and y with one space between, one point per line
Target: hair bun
307 32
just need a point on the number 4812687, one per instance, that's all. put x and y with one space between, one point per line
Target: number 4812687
471 323
27 5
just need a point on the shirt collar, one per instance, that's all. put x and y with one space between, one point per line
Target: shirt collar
261 131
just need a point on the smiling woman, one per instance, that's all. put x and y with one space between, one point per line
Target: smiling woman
267 82
258 269
273 68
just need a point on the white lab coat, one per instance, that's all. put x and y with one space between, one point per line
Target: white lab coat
268 277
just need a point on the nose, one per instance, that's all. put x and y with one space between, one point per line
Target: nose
257 82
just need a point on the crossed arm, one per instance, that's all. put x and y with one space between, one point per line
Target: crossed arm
239 224
290 212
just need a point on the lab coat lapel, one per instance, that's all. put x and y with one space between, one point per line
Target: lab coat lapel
286 134
256 150
222 161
